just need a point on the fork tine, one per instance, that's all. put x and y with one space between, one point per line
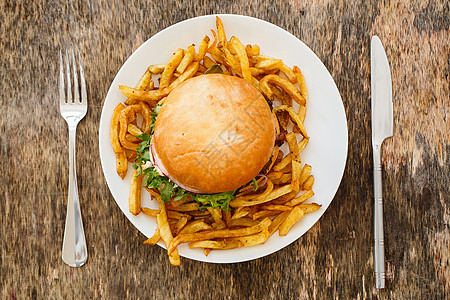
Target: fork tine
62 96
83 82
76 97
69 85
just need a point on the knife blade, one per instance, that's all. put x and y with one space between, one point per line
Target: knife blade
382 128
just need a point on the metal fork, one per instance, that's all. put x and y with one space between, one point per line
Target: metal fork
73 109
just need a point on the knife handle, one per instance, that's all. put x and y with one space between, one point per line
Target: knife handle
380 274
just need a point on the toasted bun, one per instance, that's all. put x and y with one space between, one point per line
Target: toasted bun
214 133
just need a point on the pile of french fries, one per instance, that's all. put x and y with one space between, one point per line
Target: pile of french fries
254 216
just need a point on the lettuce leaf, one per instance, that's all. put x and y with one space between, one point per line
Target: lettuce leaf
221 200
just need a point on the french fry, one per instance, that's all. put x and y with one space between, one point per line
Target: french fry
170 68
306 171
243 222
145 80
220 33
287 169
269 188
132 138
285 98
255 83
187 59
254 209
213 44
276 207
257 71
154 239
252 50
131 155
121 157
243 59
231 244
264 213
294 216
301 114
236 202
152 97
301 82
155 195
134 199
114 131
278 157
227 217
231 48
201 70
166 233
134 130
149 211
307 185
285 178
215 234
195 226
175 215
288 72
302 198
190 71
124 118
208 62
274 175
277 221
142 85
217 245
255 239
180 224
285 198
282 83
291 139
297 121
146 115
283 163
269 64
296 171
187 207
208 244
303 144
294 116
232 61
249 188
216 213
157 69
309 208
257 58
217 55
203 48
240 212
121 164
199 213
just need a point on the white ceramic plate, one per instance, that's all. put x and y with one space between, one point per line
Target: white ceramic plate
325 121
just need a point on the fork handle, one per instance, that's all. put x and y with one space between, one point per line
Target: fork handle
378 221
74 252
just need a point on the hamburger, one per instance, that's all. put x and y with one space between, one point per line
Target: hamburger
212 135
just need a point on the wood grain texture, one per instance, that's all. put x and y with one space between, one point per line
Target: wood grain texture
333 260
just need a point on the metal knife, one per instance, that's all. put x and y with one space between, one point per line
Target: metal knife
382 128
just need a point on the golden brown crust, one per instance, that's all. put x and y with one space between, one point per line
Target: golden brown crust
214 133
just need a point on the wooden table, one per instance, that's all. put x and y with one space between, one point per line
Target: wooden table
333 260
